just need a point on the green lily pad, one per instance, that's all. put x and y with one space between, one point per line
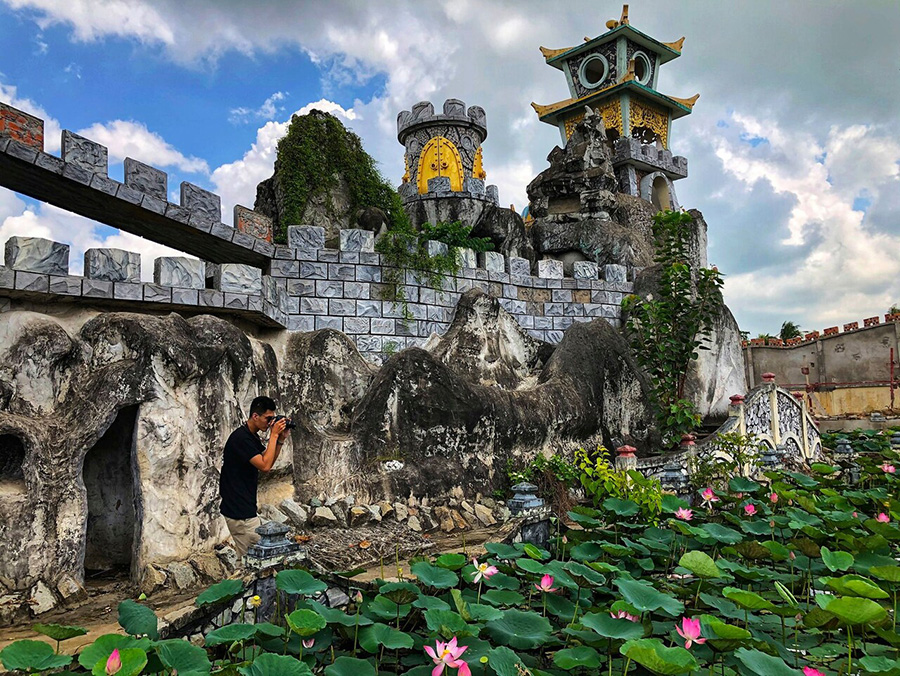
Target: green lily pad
700 564
888 573
761 664
672 503
269 664
856 585
621 508
103 646
426 602
400 593
137 620
299 582
723 534
536 553
451 561
852 610
221 591
741 484
445 622
230 633
501 597
524 630
133 661
747 599
651 654
646 598
59 632
183 657
836 560
506 552
383 608
31 655
374 637
336 616
502 660
432 576
306 622
582 657
613 627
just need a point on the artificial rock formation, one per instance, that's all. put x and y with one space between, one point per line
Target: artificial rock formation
577 210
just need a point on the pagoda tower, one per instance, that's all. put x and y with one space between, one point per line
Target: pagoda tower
616 74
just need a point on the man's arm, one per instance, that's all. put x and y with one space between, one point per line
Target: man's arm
266 460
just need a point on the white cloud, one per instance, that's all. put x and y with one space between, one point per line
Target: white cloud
236 181
52 130
266 111
125 138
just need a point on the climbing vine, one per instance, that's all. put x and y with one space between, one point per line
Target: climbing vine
668 328
315 155
404 250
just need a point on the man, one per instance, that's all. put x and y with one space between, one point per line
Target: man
245 457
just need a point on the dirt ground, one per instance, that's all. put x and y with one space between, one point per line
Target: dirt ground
376 550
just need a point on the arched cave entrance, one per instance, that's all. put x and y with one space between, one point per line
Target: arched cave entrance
109 480
659 194
12 456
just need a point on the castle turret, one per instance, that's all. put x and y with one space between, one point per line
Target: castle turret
616 74
443 151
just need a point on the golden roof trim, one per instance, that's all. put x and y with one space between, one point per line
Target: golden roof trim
553 107
552 53
677 45
688 103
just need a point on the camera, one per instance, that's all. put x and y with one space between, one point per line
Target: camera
291 425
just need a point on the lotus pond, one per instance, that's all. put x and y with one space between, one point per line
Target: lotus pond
788 574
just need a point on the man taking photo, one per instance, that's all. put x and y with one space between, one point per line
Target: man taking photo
245 457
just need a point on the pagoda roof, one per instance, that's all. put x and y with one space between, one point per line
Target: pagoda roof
678 107
666 50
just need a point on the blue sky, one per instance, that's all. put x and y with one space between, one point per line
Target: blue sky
792 147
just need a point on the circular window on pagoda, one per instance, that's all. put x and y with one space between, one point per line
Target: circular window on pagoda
593 71
642 68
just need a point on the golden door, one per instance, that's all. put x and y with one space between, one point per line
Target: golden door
440 158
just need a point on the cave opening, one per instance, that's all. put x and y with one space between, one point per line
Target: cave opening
109 480
12 457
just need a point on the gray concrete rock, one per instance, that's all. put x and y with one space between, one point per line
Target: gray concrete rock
34 254
42 599
358 516
179 272
112 265
70 590
485 515
237 278
152 580
414 524
323 516
208 567
182 574
229 558
357 240
297 514
203 204
336 598
306 237
401 511
272 513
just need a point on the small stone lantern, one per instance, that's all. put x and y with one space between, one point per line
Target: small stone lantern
524 498
273 543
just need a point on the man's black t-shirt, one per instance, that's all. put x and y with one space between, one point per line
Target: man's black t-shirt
237 483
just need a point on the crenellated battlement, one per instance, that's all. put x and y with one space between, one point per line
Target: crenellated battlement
454 114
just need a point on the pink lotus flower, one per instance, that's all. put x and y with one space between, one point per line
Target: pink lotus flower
882 517
855 515
308 643
546 585
887 467
682 513
709 496
447 655
622 615
483 570
749 509
114 663
773 498
690 632
809 671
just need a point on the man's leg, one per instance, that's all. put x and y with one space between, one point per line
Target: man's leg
243 532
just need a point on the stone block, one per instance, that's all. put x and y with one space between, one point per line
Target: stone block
65 286
185 296
312 270
356 325
35 254
146 179
357 240
356 290
368 273
561 296
436 248
84 153
584 270
519 267
492 194
284 268
96 288
342 308
179 272
550 269
22 127
301 287
335 323
126 291
154 293
367 258
243 239
206 206
104 184
50 163
32 281
154 204
492 261
302 323
253 223
313 306
616 274
382 326
439 185
328 256
113 265
466 258
178 213
342 272
238 278
349 257
306 237
236 301
474 186
329 289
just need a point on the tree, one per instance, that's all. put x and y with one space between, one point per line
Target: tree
894 310
790 330
667 329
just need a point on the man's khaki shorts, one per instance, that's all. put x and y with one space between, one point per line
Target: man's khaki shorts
243 532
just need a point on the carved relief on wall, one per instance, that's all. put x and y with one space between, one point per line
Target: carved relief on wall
610 111
649 123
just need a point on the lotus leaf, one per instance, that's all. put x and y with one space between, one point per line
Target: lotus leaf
137 620
372 638
646 598
520 629
761 664
230 633
582 657
299 582
30 655
451 561
183 657
306 622
852 610
269 664
855 585
59 632
432 576
836 560
612 627
700 564
133 662
651 654
225 590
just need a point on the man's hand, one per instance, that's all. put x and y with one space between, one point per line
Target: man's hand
279 428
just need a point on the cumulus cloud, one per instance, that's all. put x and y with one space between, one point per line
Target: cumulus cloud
126 138
52 130
266 111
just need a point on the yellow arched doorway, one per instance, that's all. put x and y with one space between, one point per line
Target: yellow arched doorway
440 158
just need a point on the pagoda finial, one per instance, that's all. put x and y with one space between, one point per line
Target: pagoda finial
624 20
